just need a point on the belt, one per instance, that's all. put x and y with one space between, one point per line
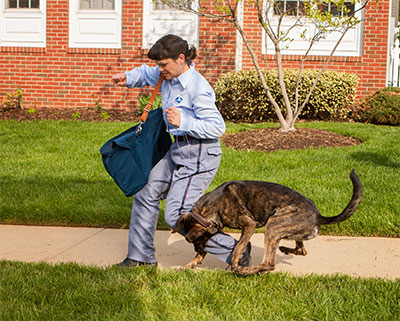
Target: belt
185 138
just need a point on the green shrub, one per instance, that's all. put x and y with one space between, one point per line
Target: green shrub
76 115
13 100
104 115
381 107
241 96
145 99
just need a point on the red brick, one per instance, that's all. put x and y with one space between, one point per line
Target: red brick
57 76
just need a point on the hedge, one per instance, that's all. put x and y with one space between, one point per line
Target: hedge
241 97
381 107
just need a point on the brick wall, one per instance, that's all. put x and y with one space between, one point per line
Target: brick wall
62 77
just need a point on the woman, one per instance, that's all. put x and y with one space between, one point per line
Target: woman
185 172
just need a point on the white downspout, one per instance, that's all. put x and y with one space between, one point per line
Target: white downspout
396 62
239 40
391 43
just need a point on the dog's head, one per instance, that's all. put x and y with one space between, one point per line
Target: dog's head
195 228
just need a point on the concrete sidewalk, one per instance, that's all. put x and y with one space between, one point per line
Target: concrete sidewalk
357 257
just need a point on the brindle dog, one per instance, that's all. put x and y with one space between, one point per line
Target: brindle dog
247 205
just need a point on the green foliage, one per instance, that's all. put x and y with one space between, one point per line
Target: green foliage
97 102
13 100
145 99
104 115
240 95
76 115
381 107
31 111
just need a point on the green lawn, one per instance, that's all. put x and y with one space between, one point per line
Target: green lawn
72 292
51 173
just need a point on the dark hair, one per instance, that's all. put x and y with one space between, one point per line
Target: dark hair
171 46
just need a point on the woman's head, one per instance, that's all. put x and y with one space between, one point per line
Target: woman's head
171 46
172 56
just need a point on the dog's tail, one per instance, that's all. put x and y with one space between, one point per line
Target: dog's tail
350 208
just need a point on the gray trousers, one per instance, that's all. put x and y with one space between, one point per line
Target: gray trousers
182 177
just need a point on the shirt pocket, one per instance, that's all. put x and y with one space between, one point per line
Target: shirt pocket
215 151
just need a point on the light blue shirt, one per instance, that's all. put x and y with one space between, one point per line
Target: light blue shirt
191 94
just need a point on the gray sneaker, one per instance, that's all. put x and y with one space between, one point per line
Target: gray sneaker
245 259
133 263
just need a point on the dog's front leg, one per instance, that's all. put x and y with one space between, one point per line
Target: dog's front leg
196 261
247 232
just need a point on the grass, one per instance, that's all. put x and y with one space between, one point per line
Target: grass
71 292
51 173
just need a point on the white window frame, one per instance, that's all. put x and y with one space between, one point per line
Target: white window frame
23 27
157 23
93 28
350 46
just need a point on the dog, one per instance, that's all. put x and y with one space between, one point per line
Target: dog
247 205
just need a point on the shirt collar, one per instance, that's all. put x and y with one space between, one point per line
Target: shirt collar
186 76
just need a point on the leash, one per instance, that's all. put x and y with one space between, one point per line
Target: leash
148 106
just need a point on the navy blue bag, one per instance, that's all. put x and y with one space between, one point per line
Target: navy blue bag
130 156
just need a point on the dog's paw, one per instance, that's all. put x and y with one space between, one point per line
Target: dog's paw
239 270
233 268
229 268
295 251
188 267
251 270
181 268
284 250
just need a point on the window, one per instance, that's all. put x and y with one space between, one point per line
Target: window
18 4
351 44
159 20
96 4
289 7
296 8
95 23
23 23
336 11
158 5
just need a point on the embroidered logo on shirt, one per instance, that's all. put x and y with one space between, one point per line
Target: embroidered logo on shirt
178 99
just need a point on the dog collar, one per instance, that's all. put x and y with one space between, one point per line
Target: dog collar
201 220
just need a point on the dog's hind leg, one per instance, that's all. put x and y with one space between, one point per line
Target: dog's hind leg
275 230
298 250
268 264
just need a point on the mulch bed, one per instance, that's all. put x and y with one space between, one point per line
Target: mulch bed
268 139
85 114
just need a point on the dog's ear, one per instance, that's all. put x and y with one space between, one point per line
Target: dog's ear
181 222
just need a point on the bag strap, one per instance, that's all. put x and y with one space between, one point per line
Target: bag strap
151 100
